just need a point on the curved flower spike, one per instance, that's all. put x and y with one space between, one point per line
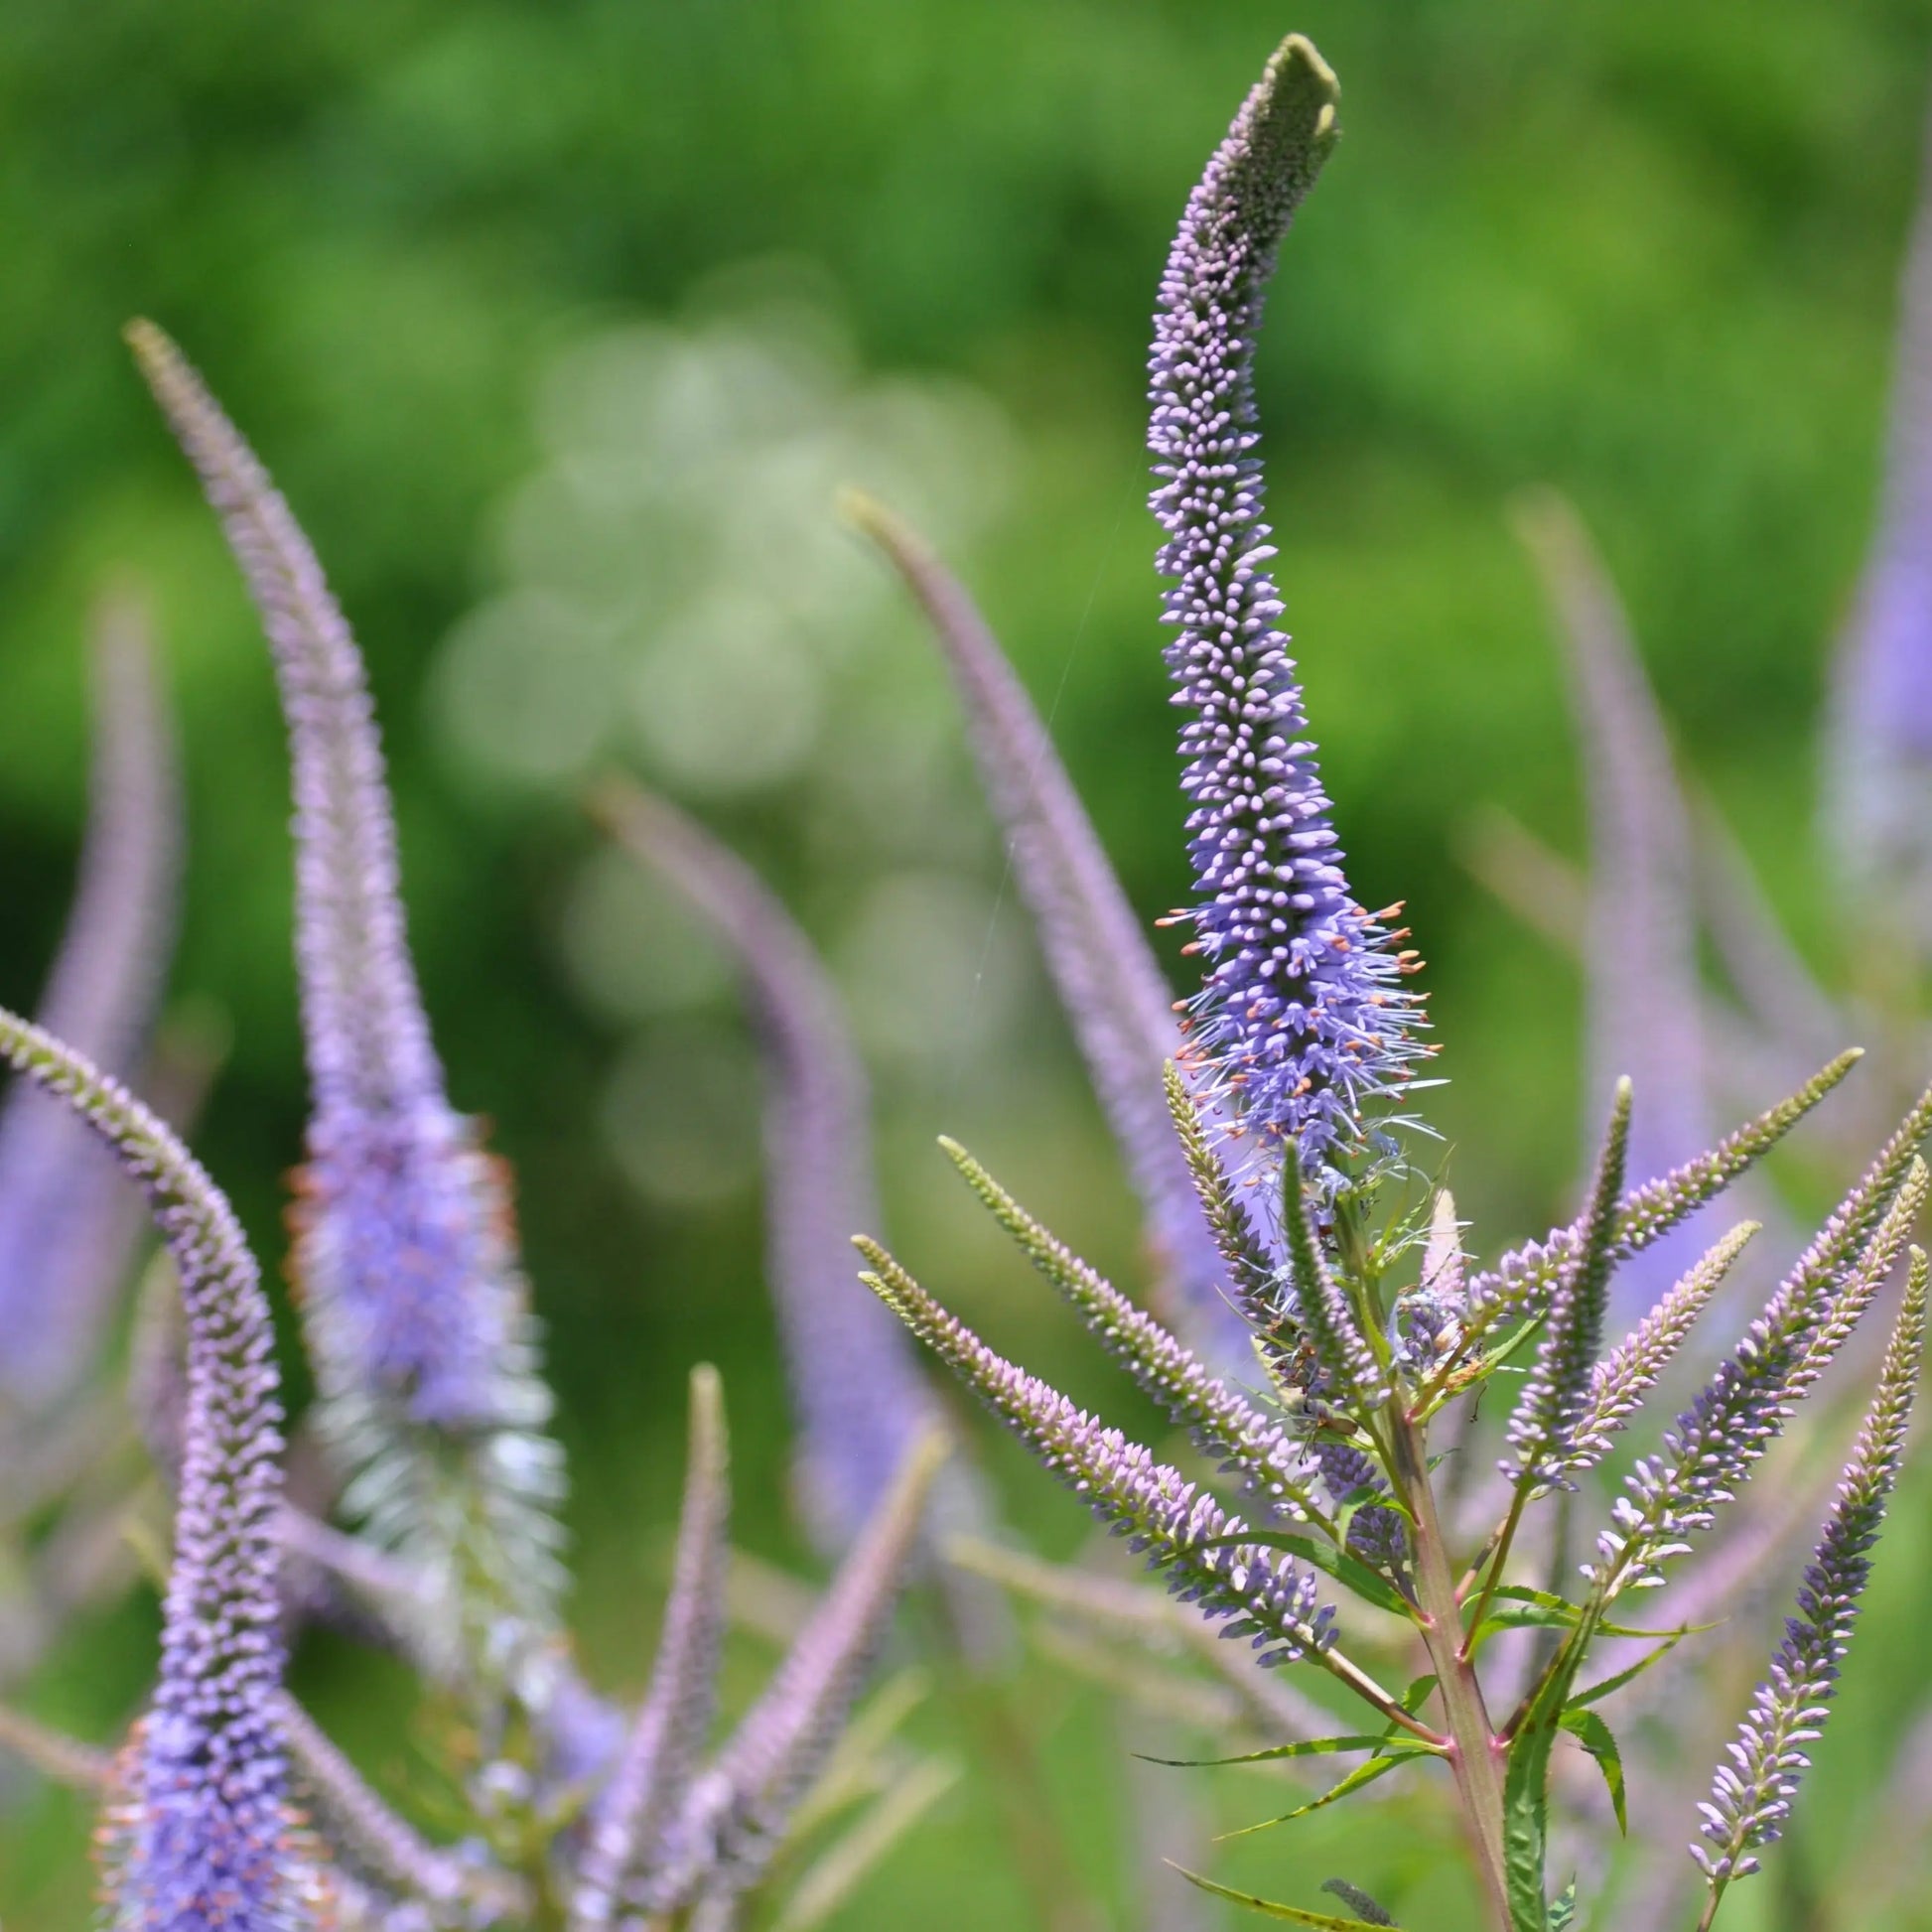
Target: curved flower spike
65 1243
413 1302
1303 1023
1643 993
203 1836
1751 1797
1111 985
856 1387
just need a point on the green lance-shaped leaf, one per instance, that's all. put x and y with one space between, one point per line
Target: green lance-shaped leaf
1222 1421
1270 1908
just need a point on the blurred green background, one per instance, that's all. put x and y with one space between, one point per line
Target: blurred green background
1647 251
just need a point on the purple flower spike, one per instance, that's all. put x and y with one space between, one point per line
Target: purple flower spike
1878 788
413 1300
203 1837
856 1386
1643 989
1111 985
1303 1019
64 1240
1751 1796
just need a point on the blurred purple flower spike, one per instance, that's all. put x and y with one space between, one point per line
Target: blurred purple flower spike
412 1296
1303 1023
65 1242
856 1386
1641 949
1879 762
1110 985
200 1834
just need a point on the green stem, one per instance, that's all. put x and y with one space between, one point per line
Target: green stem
1496 1564
1474 1754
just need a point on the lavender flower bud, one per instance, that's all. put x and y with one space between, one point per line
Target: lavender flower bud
1303 1021
668 1731
1522 1277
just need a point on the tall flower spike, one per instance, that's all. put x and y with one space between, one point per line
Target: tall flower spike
669 1729
203 1835
740 1808
413 1302
1641 972
1554 1399
1716 1442
856 1387
1879 767
65 1242
1303 1021
1182 1529
1111 985
1751 1796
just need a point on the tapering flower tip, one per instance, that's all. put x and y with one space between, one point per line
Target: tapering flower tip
1751 1796
1525 1274
742 1807
1303 1023
1223 1423
854 1384
413 1299
404 1226
1714 1446
1350 1369
1878 767
1110 985
1641 958
201 1838
1619 1382
1181 1526
63 1246
1541 1431
668 1731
